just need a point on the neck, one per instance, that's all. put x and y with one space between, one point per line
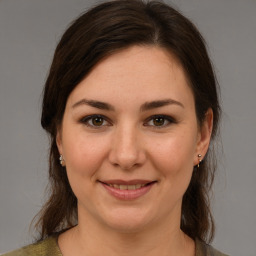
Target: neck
90 238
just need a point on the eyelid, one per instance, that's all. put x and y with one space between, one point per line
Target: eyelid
86 119
170 120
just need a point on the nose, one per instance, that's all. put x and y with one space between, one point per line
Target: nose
127 150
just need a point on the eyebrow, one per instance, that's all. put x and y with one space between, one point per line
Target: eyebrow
159 103
95 104
144 107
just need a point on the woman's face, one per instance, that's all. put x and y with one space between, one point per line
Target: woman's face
130 139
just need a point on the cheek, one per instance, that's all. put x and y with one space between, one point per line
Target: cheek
84 156
173 159
83 153
173 155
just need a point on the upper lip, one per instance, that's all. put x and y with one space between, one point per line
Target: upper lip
127 182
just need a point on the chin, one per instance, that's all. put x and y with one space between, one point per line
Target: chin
127 221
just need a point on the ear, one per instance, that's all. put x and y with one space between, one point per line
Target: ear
59 140
204 135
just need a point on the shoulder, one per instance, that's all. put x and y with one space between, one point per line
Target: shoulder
47 247
203 249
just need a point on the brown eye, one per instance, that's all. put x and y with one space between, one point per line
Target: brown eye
159 121
97 121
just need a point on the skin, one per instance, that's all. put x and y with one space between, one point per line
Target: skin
130 143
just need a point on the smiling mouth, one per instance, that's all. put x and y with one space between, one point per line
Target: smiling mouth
128 186
127 190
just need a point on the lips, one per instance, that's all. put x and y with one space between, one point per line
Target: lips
127 187
127 190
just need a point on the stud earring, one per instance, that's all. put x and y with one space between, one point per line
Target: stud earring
62 161
199 160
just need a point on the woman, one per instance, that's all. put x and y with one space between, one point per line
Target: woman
131 105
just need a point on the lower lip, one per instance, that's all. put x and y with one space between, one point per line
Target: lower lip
128 194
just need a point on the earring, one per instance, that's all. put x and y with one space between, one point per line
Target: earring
199 160
62 161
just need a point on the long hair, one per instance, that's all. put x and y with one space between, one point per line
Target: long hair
100 32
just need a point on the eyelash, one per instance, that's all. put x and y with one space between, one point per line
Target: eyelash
87 119
167 121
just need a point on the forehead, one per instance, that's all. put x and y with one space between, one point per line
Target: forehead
142 72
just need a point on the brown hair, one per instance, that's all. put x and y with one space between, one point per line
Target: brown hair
96 34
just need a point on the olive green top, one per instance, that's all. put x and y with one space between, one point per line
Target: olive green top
49 247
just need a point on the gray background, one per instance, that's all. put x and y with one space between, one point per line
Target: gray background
29 31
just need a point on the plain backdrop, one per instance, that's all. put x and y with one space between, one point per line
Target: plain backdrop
29 32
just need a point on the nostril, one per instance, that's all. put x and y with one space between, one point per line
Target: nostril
125 161
126 153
